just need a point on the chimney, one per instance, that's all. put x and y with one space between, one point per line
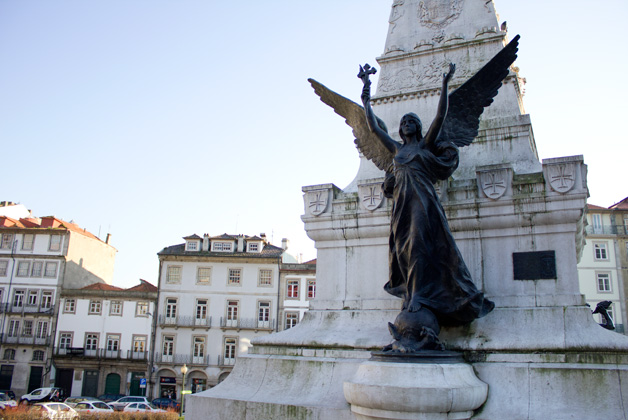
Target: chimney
205 242
284 243
108 237
240 243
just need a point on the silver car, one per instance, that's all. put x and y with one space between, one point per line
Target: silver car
53 411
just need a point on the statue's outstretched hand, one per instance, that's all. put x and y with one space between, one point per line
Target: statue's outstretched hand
447 76
366 93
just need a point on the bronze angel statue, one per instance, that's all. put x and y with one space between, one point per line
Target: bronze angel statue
426 268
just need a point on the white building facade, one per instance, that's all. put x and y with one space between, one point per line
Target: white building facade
38 257
215 295
600 267
297 287
103 340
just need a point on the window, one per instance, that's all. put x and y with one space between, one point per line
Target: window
27 241
14 328
222 246
230 350
203 275
113 342
201 309
38 356
55 243
37 269
292 319
139 343
9 354
51 269
42 329
168 347
95 307
173 275
191 246
265 277
235 275
600 250
198 351
46 299
603 282
292 290
171 308
18 298
232 313
22 268
91 341
28 328
65 340
69 306
116 307
6 240
4 267
253 246
32 297
311 289
141 309
597 223
263 314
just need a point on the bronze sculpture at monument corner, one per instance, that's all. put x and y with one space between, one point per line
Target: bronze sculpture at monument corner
427 270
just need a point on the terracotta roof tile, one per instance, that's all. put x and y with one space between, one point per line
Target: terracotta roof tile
622 205
594 207
144 286
101 286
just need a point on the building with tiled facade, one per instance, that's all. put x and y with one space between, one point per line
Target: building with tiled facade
39 257
216 294
603 267
297 287
103 339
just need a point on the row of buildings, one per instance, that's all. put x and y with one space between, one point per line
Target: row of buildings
62 323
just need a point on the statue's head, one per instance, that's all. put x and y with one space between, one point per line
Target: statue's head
412 117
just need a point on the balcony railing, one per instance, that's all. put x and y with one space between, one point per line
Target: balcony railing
101 353
178 359
607 230
25 339
248 324
226 361
184 321
26 309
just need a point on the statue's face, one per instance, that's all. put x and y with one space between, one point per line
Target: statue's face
409 127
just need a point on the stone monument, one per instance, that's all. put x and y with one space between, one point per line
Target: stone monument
519 226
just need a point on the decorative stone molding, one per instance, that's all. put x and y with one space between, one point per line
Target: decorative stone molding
371 194
317 198
437 14
563 174
494 181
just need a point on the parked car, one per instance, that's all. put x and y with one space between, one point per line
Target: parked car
53 411
166 403
43 395
71 401
119 404
142 408
10 393
97 407
6 401
111 397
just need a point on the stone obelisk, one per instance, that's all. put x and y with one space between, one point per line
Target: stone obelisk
517 221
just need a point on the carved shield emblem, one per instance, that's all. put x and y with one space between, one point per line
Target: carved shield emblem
437 14
317 201
494 183
562 177
371 195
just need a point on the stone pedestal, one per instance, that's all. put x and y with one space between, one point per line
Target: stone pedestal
417 391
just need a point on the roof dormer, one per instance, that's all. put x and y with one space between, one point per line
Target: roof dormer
193 243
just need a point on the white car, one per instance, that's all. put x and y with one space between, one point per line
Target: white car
41 395
97 407
143 408
6 401
53 411
119 404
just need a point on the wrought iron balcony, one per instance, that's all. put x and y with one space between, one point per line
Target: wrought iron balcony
101 354
30 339
184 321
26 309
248 324
178 359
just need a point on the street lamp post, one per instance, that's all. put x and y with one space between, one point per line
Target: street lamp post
184 370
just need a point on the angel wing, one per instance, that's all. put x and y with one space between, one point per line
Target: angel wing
467 103
354 116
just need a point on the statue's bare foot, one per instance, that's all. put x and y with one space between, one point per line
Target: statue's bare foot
414 306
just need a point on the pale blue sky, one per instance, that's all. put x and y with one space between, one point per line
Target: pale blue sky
155 119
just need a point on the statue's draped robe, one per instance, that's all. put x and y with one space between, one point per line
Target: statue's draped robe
424 259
